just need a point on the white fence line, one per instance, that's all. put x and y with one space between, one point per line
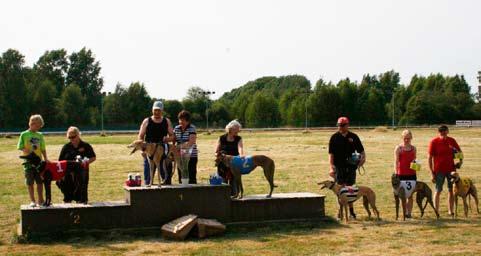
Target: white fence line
92 132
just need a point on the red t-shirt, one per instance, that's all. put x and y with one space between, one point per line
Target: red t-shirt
441 149
405 159
57 169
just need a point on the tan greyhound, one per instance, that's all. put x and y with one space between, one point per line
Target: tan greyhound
463 187
344 196
154 153
244 165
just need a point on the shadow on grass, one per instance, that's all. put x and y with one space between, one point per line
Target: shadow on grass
105 239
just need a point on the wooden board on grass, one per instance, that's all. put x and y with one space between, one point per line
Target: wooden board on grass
209 227
178 229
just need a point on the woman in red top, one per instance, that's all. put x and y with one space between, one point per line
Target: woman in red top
404 155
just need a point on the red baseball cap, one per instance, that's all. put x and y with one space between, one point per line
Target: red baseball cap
342 120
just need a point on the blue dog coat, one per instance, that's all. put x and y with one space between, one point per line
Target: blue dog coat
244 164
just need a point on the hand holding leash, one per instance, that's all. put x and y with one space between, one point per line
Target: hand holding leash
332 172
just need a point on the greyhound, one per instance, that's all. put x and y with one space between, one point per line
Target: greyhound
401 193
154 152
344 196
464 187
244 165
56 170
424 191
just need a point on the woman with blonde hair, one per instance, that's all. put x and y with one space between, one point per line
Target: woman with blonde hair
229 143
404 155
77 147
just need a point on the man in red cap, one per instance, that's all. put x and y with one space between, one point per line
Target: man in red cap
441 163
346 154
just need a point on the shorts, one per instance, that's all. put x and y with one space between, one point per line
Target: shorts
346 176
31 175
440 177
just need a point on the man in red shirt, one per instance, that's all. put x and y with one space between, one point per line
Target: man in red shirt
441 162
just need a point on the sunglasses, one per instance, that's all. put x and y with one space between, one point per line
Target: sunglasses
72 137
342 125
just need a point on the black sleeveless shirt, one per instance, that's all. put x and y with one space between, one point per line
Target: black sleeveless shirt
229 147
156 131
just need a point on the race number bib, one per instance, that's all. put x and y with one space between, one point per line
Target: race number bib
408 186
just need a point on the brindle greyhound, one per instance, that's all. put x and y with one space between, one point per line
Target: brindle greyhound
422 191
244 165
463 187
369 197
154 152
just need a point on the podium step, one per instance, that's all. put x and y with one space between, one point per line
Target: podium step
147 207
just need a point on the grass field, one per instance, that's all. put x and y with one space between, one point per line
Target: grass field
301 160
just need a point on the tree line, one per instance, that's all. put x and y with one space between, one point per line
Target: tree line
67 89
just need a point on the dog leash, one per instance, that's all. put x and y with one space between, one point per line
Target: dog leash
363 170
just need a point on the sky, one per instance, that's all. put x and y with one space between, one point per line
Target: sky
220 45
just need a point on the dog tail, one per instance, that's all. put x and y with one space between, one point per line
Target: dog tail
469 202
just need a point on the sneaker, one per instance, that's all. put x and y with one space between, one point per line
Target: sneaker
352 215
408 216
32 204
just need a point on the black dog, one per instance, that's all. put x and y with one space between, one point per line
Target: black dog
68 175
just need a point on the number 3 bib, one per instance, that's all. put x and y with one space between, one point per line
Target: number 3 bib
408 186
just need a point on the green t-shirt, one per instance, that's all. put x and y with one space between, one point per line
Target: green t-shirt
32 141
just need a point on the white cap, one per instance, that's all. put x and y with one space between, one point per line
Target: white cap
158 105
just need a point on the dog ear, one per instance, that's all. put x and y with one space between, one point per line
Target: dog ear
323 184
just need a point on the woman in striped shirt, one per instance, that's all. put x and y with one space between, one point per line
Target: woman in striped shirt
185 132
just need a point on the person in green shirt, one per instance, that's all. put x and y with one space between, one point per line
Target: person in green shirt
30 141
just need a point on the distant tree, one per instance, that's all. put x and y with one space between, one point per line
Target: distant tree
196 93
116 106
85 72
138 102
325 103
13 91
71 106
348 92
388 84
45 103
262 111
53 66
172 109
219 114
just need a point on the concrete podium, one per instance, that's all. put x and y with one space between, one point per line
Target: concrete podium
147 207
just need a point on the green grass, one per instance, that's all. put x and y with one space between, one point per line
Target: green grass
301 160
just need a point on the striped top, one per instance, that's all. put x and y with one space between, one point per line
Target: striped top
182 136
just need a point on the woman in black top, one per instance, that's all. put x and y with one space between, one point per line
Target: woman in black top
76 147
230 144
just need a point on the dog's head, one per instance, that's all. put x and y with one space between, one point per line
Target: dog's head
454 177
326 184
219 157
137 145
395 181
34 161
172 152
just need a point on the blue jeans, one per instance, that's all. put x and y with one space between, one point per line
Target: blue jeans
168 179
